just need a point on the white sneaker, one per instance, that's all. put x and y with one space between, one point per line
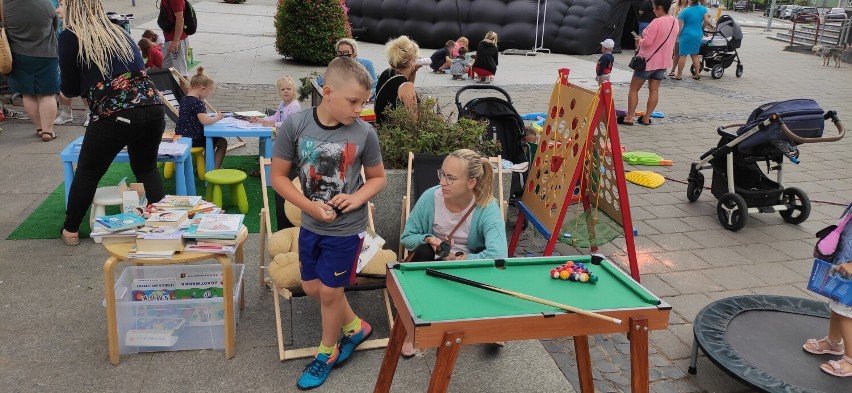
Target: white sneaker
63 116
86 122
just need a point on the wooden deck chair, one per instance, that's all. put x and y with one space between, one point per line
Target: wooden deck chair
422 175
364 282
171 87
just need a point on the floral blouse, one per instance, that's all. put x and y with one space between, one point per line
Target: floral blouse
132 89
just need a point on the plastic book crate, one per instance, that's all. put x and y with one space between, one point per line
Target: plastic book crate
172 325
828 284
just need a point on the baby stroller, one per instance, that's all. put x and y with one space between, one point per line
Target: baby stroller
504 125
719 50
772 131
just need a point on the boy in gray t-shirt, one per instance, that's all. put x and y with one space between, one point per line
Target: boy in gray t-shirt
329 145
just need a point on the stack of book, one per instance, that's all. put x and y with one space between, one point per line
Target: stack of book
216 233
134 253
167 218
191 204
171 149
119 222
160 239
108 237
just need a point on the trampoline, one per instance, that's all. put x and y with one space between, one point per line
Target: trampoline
758 339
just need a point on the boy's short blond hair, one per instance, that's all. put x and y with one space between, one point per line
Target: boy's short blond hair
402 51
347 69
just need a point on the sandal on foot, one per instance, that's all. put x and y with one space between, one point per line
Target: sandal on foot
815 347
835 367
39 132
648 123
696 77
69 240
47 136
671 74
620 120
677 78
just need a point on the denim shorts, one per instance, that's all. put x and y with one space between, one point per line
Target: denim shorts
652 74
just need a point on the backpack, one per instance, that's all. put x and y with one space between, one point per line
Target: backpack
166 20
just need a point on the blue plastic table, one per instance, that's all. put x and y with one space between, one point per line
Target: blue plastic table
184 179
219 129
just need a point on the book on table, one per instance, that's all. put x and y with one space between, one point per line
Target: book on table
135 253
215 226
171 149
167 218
117 237
161 239
118 222
241 236
178 202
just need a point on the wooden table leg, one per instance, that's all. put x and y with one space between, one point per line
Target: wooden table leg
445 361
584 364
109 296
639 355
228 297
239 257
391 358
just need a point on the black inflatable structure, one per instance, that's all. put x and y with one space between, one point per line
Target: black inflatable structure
570 26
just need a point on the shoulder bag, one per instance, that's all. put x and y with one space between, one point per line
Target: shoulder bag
444 249
637 63
829 237
5 51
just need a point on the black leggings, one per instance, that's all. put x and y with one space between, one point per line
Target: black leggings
140 129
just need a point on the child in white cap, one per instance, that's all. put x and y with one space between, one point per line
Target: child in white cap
604 66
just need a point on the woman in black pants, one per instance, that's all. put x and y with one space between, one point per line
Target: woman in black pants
99 61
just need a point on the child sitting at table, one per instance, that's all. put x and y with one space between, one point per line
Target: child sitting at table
289 104
193 115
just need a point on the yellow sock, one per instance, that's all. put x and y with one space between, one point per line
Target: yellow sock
353 326
325 350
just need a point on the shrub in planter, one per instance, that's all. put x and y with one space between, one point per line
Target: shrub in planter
431 132
306 30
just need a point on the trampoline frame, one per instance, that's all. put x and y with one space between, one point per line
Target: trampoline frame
708 321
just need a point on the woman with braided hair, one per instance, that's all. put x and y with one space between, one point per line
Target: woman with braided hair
100 62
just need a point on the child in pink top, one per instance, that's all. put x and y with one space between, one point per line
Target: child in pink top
289 105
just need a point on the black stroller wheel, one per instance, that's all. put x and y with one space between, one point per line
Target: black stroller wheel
739 70
717 71
732 212
694 186
798 205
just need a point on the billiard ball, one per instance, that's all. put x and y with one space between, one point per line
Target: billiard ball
564 275
593 279
584 277
554 274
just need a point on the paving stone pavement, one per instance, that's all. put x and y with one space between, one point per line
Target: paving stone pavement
685 256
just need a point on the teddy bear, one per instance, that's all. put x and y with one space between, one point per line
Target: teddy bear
284 249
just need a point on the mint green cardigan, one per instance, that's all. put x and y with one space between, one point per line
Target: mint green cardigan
487 237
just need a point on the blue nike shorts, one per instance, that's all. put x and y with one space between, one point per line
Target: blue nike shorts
331 259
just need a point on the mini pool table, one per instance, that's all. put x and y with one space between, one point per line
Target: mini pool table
447 314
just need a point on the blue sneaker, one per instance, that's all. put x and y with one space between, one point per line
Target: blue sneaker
317 371
348 344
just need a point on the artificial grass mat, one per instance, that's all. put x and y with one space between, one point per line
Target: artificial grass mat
46 221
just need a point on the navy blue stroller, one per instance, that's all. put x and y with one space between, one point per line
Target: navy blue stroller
772 132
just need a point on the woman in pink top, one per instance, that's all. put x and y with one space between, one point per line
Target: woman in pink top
655 45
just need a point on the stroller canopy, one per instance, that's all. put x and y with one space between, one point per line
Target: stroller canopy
803 116
731 30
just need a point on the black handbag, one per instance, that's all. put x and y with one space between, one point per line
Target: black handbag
425 252
637 63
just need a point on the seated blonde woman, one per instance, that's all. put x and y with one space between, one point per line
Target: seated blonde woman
457 219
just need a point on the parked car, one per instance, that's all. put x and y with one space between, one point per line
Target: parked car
779 11
805 14
834 15
741 5
788 12
713 3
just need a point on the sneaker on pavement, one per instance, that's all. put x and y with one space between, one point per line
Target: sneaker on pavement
317 370
63 116
86 122
348 343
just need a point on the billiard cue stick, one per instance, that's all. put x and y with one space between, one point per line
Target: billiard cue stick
461 280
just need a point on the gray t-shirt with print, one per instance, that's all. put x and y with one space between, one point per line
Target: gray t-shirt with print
329 160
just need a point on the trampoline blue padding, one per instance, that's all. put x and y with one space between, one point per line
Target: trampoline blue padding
758 339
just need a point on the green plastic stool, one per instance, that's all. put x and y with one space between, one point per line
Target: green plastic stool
227 177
